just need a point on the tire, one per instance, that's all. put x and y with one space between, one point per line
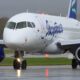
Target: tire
79 63
24 64
74 64
16 64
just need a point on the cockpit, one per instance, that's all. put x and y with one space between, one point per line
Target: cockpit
19 25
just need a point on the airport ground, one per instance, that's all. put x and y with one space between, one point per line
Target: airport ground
40 73
39 60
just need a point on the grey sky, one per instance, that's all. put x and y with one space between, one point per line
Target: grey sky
9 8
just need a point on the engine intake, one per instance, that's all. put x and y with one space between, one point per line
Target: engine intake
77 54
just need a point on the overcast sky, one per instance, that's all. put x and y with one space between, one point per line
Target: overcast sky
9 8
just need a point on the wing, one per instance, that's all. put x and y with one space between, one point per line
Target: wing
2 44
70 45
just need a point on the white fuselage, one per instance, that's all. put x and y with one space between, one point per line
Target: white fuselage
43 37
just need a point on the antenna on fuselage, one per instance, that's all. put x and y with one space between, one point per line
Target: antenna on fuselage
27 14
27 11
60 15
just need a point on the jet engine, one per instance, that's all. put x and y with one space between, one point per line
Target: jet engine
77 54
1 54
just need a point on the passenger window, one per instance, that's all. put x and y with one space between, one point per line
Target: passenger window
21 25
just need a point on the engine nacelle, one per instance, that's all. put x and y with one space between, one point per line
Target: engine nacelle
77 54
1 54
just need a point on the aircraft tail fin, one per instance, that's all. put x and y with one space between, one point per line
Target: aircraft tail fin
72 13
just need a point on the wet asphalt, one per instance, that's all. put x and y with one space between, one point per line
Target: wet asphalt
40 73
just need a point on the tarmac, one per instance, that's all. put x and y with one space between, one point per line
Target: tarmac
40 73
66 55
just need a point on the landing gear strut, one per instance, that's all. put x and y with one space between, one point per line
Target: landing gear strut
74 64
19 62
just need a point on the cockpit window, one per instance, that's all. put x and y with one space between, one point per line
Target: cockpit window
33 25
24 24
11 25
21 25
29 24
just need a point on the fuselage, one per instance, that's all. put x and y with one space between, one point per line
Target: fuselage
39 33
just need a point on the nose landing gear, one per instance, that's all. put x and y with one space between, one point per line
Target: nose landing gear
19 62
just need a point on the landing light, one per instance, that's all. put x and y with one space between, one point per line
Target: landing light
18 59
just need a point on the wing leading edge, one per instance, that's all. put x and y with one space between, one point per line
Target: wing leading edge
2 44
70 45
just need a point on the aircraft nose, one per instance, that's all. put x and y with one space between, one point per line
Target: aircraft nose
14 38
15 41
12 41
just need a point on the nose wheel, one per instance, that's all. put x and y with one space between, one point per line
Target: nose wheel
16 64
24 64
19 65
19 62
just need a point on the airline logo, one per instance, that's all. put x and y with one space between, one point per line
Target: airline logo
73 6
55 29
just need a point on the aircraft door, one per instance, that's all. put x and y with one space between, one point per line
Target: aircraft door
43 30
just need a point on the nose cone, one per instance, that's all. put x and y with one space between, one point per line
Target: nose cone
13 39
13 42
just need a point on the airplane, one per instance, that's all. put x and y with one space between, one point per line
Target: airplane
42 33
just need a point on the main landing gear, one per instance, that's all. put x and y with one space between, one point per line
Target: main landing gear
74 64
19 62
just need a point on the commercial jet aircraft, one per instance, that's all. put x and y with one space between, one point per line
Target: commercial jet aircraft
42 33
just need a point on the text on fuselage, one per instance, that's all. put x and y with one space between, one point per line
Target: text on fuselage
55 29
